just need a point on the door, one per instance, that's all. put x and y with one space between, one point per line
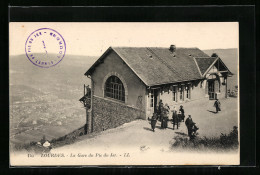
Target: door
211 89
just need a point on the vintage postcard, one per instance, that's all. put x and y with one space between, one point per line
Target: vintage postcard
124 93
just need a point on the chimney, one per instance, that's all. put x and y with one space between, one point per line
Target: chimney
214 55
172 48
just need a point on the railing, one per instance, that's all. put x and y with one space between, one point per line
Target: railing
86 99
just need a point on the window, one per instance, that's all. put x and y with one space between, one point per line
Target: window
181 89
174 93
187 91
115 88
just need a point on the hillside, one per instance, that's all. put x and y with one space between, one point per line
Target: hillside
45 101
230 58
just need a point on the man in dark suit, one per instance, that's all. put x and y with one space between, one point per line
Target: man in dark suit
192 128
182 113
217 105
189 124
175 119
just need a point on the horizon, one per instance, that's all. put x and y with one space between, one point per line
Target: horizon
123 46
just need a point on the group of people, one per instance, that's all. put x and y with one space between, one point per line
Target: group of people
162 115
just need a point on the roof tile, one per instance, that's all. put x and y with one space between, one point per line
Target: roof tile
159 65
204 63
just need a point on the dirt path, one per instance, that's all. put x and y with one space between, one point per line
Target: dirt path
211 124
138 136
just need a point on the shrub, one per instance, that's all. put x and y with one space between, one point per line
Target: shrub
224 141
43 139
66 139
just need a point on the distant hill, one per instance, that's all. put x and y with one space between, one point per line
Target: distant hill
66 76
45 101
231 60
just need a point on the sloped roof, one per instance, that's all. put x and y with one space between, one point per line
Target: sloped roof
204 63
155 66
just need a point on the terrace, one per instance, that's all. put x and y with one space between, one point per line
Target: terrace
86 99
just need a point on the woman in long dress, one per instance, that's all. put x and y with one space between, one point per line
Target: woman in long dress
165 113
166 122
162 120
174 115
153 121
174 119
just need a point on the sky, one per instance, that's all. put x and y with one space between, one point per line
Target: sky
92 39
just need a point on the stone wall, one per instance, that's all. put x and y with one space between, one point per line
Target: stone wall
88 103
108 114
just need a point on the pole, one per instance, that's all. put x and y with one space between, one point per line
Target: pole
86 126
84 89
226 88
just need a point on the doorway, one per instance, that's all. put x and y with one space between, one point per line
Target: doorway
211 89
152 101
155 94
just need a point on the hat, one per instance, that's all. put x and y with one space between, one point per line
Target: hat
46 144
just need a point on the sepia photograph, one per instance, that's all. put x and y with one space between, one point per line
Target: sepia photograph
124 93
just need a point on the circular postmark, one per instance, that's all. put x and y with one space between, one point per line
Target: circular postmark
45 47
